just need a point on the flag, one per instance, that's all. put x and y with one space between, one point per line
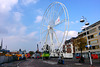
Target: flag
57 21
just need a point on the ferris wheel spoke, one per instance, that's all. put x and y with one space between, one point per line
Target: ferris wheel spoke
52 16
57 8
56 38
53 12
49 14
57 23
59 14
46 14
44 31
46 20
49 19
56 11
43 37
44 25
56 29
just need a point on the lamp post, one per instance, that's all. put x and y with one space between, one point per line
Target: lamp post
83 19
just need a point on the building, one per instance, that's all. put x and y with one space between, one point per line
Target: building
68 44
69 48
92 34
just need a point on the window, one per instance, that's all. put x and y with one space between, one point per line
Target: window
87 28
65 48
89 42
93 25
97 46
83 29
92 31
93 42
90 37
86 48
93 47
97 52
79 49
84 33
95 35
87 32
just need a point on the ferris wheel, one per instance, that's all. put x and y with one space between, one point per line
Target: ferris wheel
54 26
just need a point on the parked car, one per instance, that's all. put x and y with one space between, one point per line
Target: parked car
94 56
37 56
28 55
78 56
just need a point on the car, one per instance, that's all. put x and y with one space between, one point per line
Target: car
94 56
77 57
37 56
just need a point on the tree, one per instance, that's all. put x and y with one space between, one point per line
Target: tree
80 43
37 52
31 52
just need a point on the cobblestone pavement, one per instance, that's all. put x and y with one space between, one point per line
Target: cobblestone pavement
11 64
50 63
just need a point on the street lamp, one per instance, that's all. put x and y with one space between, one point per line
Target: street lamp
83 19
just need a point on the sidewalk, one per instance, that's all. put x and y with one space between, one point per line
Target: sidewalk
72 62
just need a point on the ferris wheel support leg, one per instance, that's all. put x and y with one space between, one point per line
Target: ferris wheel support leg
56 38
47 37
51 39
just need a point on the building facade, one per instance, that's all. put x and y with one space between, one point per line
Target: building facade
92 34
69 48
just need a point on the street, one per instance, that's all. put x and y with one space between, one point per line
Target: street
47 63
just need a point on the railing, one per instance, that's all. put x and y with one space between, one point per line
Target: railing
5 59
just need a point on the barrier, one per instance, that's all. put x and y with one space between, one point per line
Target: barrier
5 59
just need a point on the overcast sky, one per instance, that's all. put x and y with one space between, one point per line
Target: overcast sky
20 20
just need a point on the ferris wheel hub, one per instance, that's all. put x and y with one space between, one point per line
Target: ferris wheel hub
49 27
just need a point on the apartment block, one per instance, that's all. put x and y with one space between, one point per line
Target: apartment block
92 34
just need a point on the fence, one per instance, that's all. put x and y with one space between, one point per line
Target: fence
5 59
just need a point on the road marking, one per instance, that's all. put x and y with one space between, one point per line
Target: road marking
50 62
78 64
19 63
68 66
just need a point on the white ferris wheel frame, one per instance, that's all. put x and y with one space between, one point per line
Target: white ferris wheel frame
48 27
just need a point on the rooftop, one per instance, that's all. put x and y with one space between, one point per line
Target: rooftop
92 25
